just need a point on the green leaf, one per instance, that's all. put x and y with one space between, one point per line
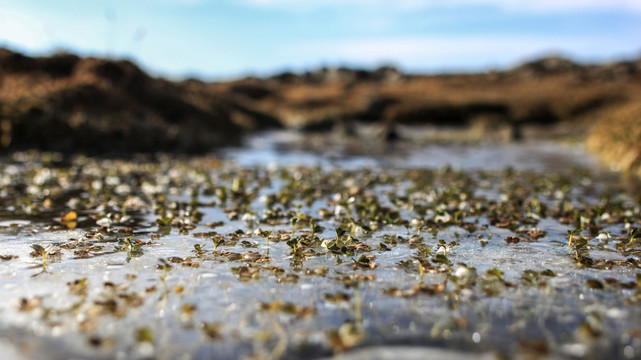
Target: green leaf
164 221
383 247
494 272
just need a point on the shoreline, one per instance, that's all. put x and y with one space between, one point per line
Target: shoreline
70 104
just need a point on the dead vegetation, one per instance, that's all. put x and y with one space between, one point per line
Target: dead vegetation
67 103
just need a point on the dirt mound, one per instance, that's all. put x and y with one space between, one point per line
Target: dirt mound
546 66
70 104
67 103
542 93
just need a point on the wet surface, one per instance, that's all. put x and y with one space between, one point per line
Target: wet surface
292 249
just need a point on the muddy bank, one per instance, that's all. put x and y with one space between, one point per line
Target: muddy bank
67 103
71 104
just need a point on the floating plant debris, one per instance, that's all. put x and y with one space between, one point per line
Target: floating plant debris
171 255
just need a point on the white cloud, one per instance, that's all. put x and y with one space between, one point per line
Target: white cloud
507 5
185 2
451 52
564 5
30 28
23 29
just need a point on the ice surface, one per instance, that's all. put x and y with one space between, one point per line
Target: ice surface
521 311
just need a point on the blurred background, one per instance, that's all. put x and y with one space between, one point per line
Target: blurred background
222 39
120 76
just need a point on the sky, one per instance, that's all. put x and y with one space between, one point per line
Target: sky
214 39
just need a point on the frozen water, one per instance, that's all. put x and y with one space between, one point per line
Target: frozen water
486 295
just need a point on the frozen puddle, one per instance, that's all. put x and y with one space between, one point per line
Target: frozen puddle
278 251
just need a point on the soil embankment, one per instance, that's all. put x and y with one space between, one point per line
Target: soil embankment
72 104
66 103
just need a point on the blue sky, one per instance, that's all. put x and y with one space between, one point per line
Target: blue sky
225 38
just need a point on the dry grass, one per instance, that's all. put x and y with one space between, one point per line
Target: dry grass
616 136
64 102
